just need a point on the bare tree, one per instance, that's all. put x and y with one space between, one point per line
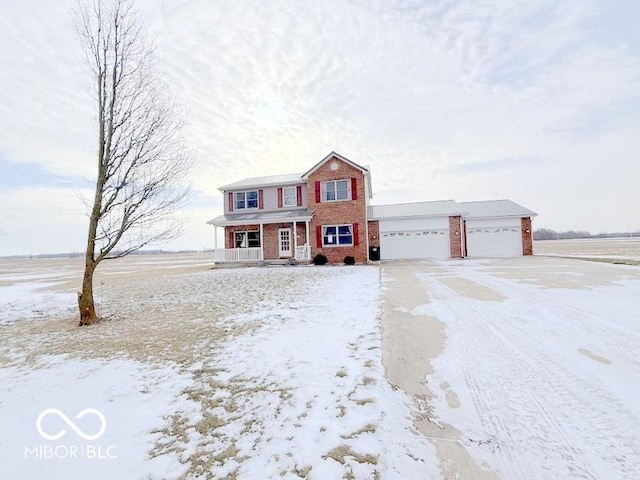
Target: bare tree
141 157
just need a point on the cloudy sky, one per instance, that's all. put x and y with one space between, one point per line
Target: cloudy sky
537 101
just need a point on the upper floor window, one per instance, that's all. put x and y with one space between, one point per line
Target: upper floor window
335 190
244 200
289 196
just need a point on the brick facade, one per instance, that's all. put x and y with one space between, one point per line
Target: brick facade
527 236
455 236
339 212
309 207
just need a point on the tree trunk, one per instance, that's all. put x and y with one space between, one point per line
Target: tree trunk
85 298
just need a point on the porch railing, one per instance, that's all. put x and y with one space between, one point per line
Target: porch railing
303 252
253 254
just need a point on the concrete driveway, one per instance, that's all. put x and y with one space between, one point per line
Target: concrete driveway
519 368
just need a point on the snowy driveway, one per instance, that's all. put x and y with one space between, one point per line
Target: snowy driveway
532 364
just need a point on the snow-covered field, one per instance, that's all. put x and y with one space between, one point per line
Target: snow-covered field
259 373
521 368
604 248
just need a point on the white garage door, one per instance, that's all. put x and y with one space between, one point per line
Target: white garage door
414 238
497 237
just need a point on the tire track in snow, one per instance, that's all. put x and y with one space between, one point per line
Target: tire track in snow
529 368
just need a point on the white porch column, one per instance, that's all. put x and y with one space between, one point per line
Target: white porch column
215 238
306 230
261 242
295 238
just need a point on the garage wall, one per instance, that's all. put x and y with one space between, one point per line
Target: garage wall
494 237
414 224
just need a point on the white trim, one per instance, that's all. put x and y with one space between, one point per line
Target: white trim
337 227
246 201
306 231
295 236
254 221
261 241
284 253
323 190
295 196
306 174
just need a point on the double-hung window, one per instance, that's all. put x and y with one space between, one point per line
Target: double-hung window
246 200
247 239
337 235
335 190
289 197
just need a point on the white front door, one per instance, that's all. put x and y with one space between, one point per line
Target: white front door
284 242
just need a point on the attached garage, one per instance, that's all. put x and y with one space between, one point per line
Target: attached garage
414 238
494 237
497 228
448 229
414 230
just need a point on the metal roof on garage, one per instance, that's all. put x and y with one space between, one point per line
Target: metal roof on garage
418 209
495 208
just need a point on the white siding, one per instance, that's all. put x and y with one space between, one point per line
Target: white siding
270 197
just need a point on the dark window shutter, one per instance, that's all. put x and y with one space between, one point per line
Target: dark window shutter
356 239
231 201
260 200
299 195
317 192
319 236
279 197
354 188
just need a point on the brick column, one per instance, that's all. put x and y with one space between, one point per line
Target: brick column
455 236
527 236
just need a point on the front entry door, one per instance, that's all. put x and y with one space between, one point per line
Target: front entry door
284 242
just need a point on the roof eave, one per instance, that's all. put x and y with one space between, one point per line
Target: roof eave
329 157
253 221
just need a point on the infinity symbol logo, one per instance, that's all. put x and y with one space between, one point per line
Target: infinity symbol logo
61 433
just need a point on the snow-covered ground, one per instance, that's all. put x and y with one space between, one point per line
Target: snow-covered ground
540 373
258 372
623 248
515 369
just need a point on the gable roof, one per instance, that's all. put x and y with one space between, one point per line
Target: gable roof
496 208
271 180
329 157
418 209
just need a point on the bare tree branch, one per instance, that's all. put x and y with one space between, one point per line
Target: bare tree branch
142 159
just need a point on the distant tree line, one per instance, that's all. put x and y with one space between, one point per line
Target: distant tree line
548 234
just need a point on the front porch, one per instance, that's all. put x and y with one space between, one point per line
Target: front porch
262 238
256 254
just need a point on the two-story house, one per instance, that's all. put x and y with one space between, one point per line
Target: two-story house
323 210
326 210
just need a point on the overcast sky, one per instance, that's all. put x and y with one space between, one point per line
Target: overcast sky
536 101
